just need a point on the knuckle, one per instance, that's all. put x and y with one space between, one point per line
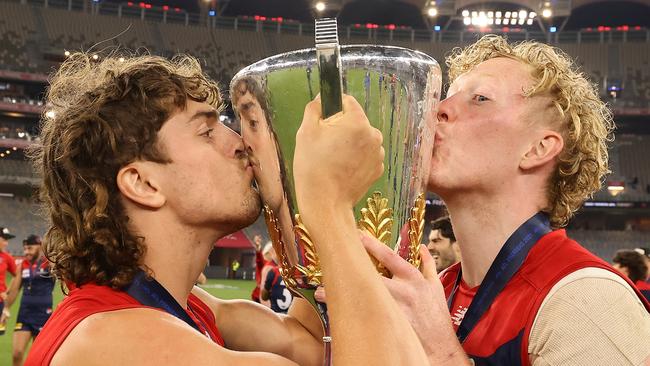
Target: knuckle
378 137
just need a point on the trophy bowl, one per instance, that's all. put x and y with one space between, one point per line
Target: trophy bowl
398 88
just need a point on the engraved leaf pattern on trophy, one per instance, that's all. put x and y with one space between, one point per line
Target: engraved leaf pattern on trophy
276 239
312 270
377 220
416 228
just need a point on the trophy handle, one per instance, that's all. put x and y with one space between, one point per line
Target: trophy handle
328 55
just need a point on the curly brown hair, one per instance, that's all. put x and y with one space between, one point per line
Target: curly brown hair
104 115
585 122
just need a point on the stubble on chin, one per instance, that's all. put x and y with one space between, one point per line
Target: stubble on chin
251 206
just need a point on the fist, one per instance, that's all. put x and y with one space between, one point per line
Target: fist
337 159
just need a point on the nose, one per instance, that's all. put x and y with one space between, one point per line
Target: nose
241 150
235 144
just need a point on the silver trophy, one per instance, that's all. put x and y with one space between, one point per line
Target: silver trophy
399 90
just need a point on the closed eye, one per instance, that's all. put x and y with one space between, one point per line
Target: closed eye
208 133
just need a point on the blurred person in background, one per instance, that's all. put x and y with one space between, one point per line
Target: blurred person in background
7 264
633 264
37 284
442 244
646 257
259 264
275 290
268 254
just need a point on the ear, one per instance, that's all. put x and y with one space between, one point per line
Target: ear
137 182
544 149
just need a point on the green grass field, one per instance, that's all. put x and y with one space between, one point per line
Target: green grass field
224 289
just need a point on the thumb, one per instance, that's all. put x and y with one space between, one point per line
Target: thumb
428 264
312 114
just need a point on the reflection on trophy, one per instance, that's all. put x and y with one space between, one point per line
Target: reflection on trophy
399 90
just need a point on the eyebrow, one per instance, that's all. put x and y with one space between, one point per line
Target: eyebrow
210 114
246 106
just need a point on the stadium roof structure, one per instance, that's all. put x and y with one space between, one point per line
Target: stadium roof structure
415 13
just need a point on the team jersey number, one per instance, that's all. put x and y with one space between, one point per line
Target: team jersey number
285 301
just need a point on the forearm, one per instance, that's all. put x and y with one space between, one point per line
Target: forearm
12 293
305 314
367 325
454 356
247 326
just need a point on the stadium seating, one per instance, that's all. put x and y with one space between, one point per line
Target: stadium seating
29 32
605 243
17 31
22 217
96 31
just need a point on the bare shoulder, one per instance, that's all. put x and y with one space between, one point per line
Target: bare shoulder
146 337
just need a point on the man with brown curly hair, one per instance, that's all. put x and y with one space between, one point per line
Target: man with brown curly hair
140 179
520 144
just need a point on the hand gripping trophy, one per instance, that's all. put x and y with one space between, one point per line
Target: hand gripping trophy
399 90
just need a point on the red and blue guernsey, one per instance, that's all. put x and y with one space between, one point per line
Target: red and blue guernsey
91 299
500 327
36 303
644 287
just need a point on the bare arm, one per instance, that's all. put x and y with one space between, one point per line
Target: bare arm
12 292
249 326
368 328
201 280
141 337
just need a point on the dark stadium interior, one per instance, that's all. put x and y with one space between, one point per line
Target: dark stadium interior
609 39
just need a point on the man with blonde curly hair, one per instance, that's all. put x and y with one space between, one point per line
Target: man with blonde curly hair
140 179
520 144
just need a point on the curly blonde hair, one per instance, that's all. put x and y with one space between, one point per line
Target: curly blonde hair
105 115
585 121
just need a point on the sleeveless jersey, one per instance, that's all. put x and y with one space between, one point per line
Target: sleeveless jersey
501 335
37 283
644 287
91 299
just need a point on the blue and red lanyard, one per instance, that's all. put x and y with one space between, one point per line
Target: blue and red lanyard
505 265
149 292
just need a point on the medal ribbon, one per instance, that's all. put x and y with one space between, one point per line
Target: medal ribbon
149 292
506 264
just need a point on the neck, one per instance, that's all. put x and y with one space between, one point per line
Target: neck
176 254
482 224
